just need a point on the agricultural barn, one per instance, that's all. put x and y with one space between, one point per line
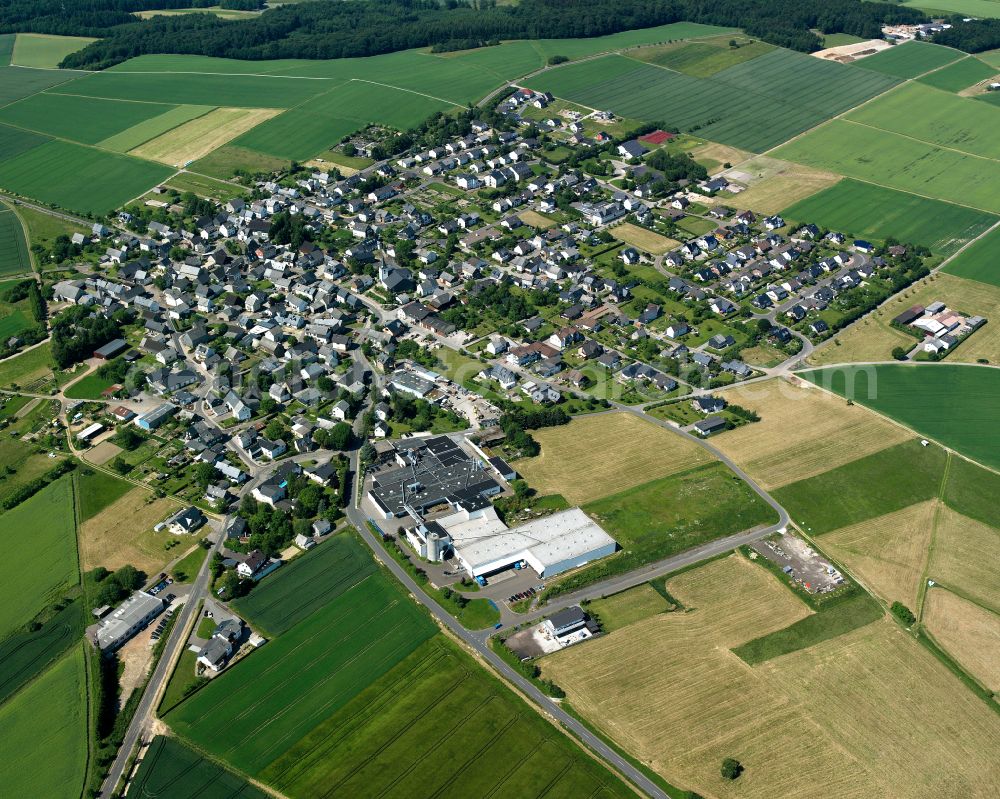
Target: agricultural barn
430 472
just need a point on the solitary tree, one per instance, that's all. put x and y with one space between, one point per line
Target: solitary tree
731 768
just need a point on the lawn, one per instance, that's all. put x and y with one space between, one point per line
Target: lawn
181 683
566 464
862 210
90 387
304 675
79 178
798 90
486 740
642 239
959 406
45 52
628 607
307 584
43 733
960 75
39 535
897 161
187 568
171 768
868 487
910 59
981 261
14 257
97 490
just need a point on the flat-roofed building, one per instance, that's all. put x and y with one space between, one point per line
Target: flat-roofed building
132 616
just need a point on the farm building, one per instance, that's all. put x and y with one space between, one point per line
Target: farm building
89 432
133 615
111 349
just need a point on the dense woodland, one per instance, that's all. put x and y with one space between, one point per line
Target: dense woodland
335 29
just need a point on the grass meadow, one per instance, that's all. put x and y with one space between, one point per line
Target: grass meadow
979 262
960 75
910 59
97 490
866 211
45 52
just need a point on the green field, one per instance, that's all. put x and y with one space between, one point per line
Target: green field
303 676
25 654
96 490
702 59
149 129
87 120
976 8
887 481
44 228
17 82
229 160
486 741
910 59
957 405
972 490
936 118
45 52
89 387
14 256
309 582
797 90
872 212
899 162
960 75
205 186
14 141
170 768
43 733
26 367
6 48
979 262
39 535
79 178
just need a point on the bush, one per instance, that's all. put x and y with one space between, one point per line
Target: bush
557 59
903 614
731 769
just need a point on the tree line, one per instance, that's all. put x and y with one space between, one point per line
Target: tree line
333 29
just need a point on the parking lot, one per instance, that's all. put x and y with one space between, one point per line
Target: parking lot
800 562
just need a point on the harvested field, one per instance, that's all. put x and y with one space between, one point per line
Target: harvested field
714 155
802 432
123 533
774 184
628 607
567 464
197 138
966 557
668 690
643 239
102 453
969 633
887 553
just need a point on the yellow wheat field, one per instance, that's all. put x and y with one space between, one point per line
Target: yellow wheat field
887 553
601 454
869 714
969 633
802 432
966 556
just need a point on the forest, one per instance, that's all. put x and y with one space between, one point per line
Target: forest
335 29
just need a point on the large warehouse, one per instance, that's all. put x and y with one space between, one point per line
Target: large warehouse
484 545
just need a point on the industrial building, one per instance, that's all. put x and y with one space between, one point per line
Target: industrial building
427 473
154 418
131 617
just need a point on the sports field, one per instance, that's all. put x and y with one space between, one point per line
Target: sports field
14 256
197 138
171 768
910 59
899 162
309 582
43 733
122 533
960 75
801 433
45 52
303 676
485 741
799 92
968 632
951 403
863 210
39 535
643 239
669 691
981 261
567 464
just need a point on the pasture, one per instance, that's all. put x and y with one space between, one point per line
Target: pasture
887 553
910 59
205 186
197 138
960 75
784 82
567 464
123 533
26 653
801 433
668 690
79 178
642 239
45 52
899 162
863 210
980 261
14 255
966 558
303 676
969 633
39 535
775 184
628 607
957 405
229 160
43 733
307 584
886 481
171 768
487 741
